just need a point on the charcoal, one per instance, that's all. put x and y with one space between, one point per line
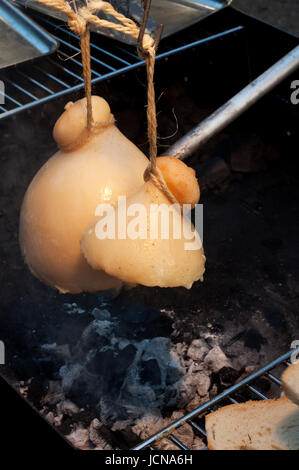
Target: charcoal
36 390
54 393
50 417
166 444
248 154
196 402
79 438
212 172
150 372
185 435
197 350
198 444
69 408
253 339
225 378
101 314
203 384
96 432
216 359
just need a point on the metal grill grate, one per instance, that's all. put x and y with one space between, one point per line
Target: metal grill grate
40 81
248 388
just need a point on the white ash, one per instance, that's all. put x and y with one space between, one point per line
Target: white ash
185 435
50 417
58 417
150 374
101 314
55 393
203 384
130 380
166 444
151 370
79 438
69 374
216 359
61 351
69 408
73 309
198 349
49 347
95 436
150 425
197 401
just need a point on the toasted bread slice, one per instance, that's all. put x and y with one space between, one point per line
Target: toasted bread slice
290 382
254 425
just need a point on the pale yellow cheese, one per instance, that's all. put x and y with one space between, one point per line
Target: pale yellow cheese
62 197
147 261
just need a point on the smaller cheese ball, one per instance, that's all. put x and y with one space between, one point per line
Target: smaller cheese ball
180 179
72 123
157 258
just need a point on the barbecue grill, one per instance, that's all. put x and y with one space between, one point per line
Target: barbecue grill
233 395
249 301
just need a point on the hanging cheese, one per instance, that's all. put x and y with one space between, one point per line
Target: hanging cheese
144 253
61 200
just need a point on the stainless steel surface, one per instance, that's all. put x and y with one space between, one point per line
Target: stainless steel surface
175 15
179 14
211 405
21 39
235 106
62 74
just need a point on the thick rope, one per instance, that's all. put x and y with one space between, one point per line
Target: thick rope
78 22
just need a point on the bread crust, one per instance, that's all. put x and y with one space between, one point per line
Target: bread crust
288 378
223 413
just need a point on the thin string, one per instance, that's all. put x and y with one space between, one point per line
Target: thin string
85 54
78 22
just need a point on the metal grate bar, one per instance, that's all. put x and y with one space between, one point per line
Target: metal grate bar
128 52
66 70
77 62
233 401
18 87
200 41
35 82
9 98
178 443
50 75
124 57
198 428
115 57
79 52
257 393
166 432
273 378
92 45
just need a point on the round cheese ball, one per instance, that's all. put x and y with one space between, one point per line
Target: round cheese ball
62 198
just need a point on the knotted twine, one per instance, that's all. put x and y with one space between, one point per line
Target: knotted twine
78 22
